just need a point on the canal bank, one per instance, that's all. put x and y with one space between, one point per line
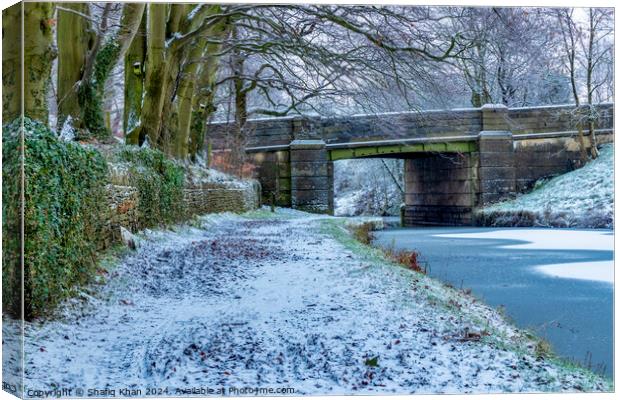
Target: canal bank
502 266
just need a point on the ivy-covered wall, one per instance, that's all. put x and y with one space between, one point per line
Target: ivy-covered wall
159 181
67 211
77 198
64 207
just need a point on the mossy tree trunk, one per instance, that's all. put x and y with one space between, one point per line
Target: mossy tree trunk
92 89
176 35
39 53
134 83
11 63
184 97
150 116
204 92
75 40
175 63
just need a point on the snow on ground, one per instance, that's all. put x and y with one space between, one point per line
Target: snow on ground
281 300
584 197
562 239
347 203
367 187
200 175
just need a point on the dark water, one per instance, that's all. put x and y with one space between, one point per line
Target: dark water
575 316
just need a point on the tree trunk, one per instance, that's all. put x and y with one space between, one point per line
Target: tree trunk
179 123
589 89
134 83
174 59
204 92
11 63
150 117
185 94
74 39
93 88
39 53
570 53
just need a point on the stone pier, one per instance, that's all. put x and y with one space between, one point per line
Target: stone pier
455 160
312 177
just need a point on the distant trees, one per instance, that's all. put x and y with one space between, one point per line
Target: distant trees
514 57
587 56
183 64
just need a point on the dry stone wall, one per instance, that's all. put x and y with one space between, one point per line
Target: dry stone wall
214 198
123 211
204 199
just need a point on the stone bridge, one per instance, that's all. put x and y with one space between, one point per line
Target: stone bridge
455 160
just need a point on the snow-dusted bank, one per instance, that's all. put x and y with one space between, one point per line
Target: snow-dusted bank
283 301
581 198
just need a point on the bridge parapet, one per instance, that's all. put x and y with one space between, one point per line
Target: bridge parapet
456 160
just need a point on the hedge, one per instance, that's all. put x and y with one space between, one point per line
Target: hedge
64 209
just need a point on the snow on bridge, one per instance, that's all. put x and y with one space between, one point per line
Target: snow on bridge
456 160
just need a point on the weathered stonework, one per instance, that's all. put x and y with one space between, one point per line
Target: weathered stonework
312 180
123 212
273 171
221 198
203 199
500 151
538 158
440 189
496 172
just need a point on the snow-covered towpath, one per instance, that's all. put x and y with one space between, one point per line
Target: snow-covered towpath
280 303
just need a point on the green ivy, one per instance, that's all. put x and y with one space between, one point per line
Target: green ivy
92 111
160 185
64 212
90 94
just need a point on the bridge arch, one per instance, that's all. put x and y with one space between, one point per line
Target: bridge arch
455 161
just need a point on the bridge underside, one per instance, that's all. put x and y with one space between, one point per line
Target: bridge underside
441 189
455 161
444 182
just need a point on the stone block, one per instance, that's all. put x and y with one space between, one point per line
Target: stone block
495 141
309 155
311 183
319 201
494 117
498 186
437 215
440 186
440 199
307 144
306 168
493 173
496 159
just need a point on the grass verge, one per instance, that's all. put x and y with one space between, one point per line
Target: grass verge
495 328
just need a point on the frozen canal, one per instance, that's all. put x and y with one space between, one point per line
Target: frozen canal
559 282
